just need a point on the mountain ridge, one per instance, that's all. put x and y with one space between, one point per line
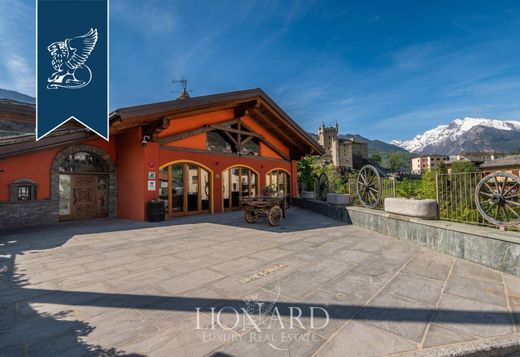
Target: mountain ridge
468 134
16 96
373 145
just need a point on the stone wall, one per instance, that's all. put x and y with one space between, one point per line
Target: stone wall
482 245
27 213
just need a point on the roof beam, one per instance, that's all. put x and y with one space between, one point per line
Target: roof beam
231 137
155 128
266 120
269 145
183 135
236 131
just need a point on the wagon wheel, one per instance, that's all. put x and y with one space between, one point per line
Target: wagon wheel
250 216
275 215
368 186
323 186
497 199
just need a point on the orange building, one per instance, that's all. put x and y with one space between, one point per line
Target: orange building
198 155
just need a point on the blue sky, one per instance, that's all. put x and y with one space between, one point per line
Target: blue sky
383 69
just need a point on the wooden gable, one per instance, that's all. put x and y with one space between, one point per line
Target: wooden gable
179 119
191 132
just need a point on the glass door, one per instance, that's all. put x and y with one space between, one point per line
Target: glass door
185 188
178 201
238 182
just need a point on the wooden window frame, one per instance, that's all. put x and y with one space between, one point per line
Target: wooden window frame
250 173
186 179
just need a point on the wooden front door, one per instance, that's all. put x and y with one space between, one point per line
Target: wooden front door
83 189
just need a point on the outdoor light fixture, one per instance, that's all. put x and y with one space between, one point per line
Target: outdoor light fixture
145 140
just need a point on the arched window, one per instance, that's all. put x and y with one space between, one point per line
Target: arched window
84 162
185 187
238 182
280 180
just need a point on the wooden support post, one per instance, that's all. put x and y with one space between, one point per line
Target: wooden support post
199 189
185 182
170 195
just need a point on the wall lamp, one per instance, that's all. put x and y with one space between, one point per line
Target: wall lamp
145 139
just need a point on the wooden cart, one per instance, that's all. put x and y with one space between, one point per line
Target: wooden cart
271 206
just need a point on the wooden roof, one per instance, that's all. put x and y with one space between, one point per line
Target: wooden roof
16 111
253 102
155 117
508 161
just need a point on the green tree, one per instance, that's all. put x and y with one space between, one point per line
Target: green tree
407 188
442 169
331 172
428 188
463 166
307 172
394 161
376 157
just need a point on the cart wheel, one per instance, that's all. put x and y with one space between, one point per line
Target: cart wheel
323 186
368 186
250 216
275 215
496 197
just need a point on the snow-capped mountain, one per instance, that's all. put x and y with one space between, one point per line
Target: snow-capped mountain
468 134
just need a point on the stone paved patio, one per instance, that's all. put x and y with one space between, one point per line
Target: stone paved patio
114 287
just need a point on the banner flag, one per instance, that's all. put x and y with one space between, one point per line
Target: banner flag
72 65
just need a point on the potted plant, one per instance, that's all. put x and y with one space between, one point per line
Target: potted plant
307 176
269 190
340 196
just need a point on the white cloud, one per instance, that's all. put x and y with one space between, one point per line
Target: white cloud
145 16
17 45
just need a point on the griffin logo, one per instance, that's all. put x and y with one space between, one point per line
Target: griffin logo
68 60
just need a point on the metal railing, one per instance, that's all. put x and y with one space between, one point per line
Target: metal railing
456 197
388 189
454 193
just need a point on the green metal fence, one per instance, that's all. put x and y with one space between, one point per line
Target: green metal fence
456 197
454 193
457 202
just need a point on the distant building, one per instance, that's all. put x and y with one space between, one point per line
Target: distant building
343 153
510 163
424 163
476 157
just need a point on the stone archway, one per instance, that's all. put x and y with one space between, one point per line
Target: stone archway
111 171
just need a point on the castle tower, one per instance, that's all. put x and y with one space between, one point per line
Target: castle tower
328 138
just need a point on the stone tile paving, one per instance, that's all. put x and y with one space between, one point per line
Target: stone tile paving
115 287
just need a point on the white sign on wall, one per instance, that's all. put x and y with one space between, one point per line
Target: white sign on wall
151 185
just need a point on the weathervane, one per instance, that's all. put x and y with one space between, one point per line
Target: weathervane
184 92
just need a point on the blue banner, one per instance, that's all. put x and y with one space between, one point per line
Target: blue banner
72 65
